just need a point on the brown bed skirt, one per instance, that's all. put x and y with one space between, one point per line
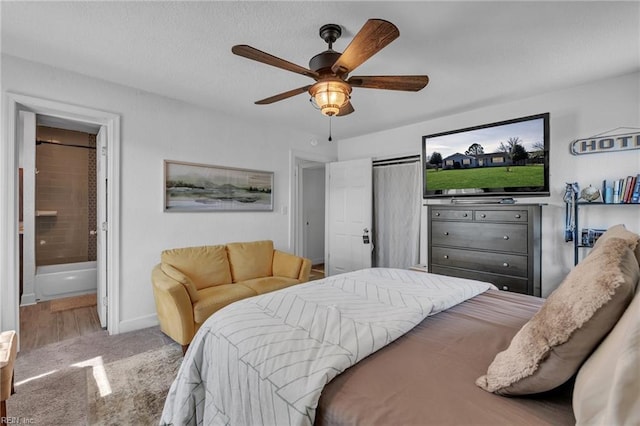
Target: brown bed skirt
427 377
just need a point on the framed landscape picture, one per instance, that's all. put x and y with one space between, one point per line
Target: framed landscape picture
191 187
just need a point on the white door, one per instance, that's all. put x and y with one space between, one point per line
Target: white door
349 212
101 226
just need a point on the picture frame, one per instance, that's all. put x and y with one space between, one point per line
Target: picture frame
194 187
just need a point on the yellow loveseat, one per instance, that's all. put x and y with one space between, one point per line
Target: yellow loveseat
191 283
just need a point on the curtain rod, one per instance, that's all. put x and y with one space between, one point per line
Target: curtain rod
65 144
399 160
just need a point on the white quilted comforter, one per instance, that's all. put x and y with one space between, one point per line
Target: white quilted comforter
264 360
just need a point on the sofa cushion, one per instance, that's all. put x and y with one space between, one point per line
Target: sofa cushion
206 265
267 284
250 260
286 264
183 279
550 348
215 298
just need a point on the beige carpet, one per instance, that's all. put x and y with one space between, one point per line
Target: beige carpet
135 388
52 386
86 300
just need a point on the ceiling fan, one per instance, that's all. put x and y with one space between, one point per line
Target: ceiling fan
330 69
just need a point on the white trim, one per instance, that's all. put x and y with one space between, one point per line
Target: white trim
26 133
9 256
9 262
296 160
139 323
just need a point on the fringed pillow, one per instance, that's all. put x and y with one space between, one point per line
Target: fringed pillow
550 348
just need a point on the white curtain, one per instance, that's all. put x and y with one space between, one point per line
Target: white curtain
397 196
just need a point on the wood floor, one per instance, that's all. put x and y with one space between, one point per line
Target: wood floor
40 325
317 272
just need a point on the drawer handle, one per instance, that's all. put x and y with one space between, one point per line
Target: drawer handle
483 215
446 233
505 264
437 214
465 215
506 237
518 216
446 256
505 287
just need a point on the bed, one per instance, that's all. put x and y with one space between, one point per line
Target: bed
389 346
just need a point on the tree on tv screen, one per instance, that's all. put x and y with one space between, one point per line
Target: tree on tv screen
435 159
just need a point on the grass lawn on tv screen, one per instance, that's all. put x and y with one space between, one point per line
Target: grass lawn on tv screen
485 177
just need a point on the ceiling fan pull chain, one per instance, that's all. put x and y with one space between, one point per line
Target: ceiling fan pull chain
330 129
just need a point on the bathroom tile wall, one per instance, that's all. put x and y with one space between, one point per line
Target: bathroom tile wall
63 186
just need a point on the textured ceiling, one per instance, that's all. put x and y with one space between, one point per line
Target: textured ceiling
475 53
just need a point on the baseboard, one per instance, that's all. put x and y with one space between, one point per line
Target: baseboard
28 299
138 323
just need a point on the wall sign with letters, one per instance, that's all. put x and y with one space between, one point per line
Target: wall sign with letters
606 143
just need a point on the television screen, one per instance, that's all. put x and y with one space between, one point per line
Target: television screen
502 159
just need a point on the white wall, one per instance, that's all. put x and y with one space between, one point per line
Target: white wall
576 112
155 128
313 215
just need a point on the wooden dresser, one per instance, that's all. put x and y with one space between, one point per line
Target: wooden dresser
488 242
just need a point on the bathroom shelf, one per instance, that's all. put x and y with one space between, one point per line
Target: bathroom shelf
46 213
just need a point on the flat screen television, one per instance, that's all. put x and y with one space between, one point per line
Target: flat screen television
498 160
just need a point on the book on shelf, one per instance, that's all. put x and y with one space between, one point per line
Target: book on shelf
622 191
616 191
631 182
625 196
635 196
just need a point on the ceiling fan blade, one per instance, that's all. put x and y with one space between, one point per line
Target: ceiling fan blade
283 95
345 110
410 83
374 35
260 56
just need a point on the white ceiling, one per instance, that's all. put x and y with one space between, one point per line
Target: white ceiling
475 53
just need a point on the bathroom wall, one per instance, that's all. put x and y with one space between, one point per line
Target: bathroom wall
66 185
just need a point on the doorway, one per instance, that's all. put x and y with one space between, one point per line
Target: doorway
308 222
312 209
65 191
108 145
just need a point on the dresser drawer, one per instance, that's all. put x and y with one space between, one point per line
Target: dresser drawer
451 214
503 282
489 236
498 263
501 216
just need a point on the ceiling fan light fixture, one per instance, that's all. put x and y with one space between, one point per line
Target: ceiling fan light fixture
330 95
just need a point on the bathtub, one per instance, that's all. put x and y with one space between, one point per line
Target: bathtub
65 280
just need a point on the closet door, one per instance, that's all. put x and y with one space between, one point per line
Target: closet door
397 197
349 216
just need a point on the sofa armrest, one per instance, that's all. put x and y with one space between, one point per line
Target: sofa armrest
305 270
173 306
291 266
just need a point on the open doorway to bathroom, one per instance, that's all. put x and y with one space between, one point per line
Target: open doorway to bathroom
64 252
20 133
